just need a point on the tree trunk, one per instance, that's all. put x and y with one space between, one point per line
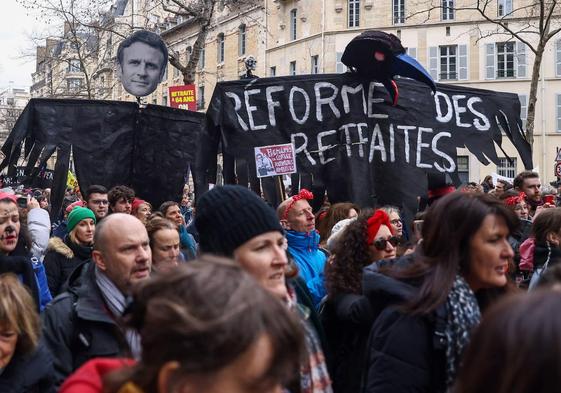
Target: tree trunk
532 99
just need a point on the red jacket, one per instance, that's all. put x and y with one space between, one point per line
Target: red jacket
89 377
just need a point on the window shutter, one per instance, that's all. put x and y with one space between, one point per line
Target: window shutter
521 60
463 61
433 62
489 61
340 67
523 98
558 58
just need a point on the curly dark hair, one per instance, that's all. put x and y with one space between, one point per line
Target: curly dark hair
333 215
343 272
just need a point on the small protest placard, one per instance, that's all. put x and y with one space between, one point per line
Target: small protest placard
275 160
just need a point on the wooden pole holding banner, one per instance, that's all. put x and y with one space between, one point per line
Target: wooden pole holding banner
280 187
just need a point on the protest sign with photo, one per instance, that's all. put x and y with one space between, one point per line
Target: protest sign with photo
275 160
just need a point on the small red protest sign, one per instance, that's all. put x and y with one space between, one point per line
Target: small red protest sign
183 97
275 160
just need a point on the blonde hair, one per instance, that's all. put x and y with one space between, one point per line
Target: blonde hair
72 234
18 312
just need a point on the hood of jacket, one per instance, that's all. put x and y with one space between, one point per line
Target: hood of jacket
89 303
58 245
382 289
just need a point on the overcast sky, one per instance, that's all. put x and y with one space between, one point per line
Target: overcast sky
15 29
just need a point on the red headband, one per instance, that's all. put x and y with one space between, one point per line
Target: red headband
377 219
515 200
303 194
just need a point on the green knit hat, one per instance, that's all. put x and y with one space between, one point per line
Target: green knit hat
78 214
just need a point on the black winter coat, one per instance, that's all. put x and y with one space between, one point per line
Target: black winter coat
62 257
33 373
347 320
77 326
404 353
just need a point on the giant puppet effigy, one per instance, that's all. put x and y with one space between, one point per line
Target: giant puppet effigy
362 136
370 136
147 147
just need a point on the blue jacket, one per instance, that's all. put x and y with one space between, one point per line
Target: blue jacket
41 277
304 248
187 242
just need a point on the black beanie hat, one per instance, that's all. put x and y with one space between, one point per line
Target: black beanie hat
227 217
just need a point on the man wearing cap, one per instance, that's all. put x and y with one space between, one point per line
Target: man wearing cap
83 322
297 218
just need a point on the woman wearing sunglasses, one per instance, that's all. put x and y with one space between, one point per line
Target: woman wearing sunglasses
417 341
347 315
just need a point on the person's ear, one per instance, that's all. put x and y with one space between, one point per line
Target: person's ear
165 375
97 258
285 224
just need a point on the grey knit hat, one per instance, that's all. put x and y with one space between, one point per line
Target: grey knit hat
227 217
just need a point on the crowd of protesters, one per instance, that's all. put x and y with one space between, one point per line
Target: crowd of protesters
231 295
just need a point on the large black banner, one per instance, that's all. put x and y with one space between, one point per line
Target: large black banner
351 141
148 148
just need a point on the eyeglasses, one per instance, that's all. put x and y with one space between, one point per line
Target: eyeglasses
397 221
381 244
100 202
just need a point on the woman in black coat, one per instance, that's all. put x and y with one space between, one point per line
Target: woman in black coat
63 256
347 314
462 260
25 363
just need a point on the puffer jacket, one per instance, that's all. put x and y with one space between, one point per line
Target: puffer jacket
404 352
62 257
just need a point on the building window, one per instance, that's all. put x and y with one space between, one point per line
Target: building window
411 52
201 98
504 7
505 60
523 109
74 66
293 24
558 111
507 168
273 71
220 48
315 64
202 54
398 11
447 9
74 84
448 62
241 40
463 168
354 13
292 68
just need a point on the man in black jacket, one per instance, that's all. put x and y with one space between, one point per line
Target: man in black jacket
80 324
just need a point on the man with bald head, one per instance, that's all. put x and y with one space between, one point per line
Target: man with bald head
297 218
81 323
